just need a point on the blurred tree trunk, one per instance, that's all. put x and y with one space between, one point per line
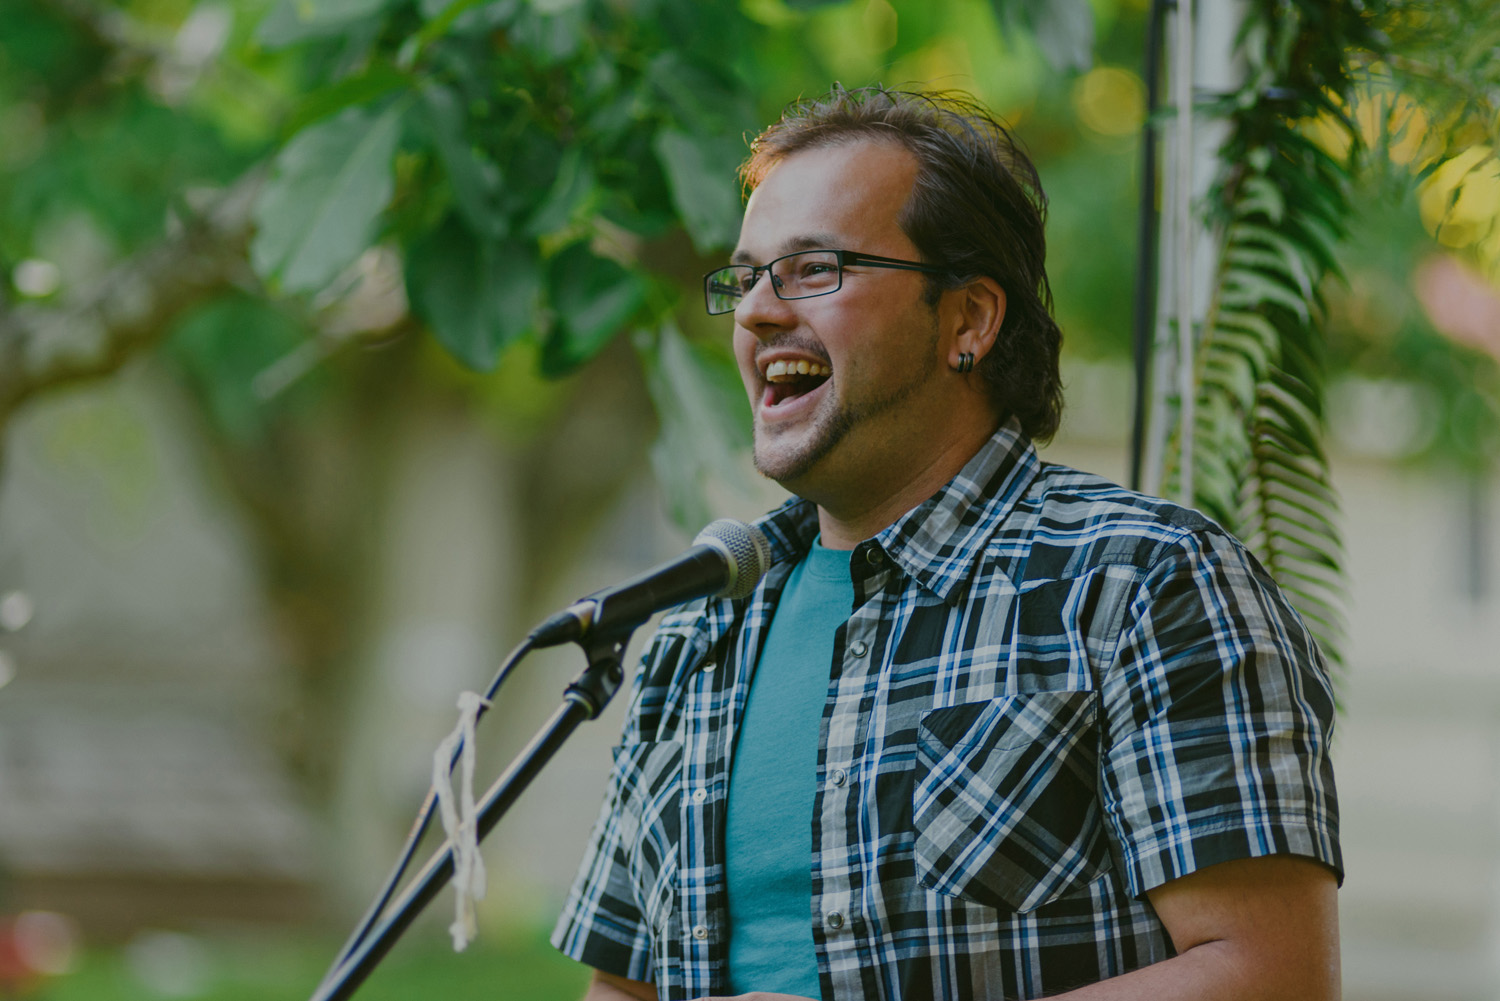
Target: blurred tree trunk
315 498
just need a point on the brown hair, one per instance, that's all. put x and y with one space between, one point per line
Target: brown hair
976 208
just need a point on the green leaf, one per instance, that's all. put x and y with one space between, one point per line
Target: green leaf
594 297
1318 515
475 179
1253 323
1248 289
1320 241
701 173
221 348
550 36
1302 543
1293 479
1231 347
430 9
1268 260
698 100
293 21
1258 195
572 187
364 88
1063 29
477 295
1236 381
456 17
320 209
1251 234
1283 409
705 420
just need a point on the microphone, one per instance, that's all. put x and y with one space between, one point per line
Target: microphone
726 560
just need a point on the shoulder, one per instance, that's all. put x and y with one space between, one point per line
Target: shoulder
1070 522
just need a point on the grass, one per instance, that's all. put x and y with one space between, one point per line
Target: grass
285 967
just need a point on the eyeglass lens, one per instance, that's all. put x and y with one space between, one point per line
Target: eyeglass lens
795 276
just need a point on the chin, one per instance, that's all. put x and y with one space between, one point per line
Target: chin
776 464
793 459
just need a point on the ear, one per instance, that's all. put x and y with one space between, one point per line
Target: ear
977 310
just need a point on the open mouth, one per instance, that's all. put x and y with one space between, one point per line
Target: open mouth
787 380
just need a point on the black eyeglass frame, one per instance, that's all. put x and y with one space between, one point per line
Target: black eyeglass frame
843 258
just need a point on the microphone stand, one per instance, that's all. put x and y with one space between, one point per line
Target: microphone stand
583 700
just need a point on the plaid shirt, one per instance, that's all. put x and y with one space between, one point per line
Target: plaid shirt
1052 695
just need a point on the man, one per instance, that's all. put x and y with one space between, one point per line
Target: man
990 728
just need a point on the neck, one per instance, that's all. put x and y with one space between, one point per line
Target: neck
861 508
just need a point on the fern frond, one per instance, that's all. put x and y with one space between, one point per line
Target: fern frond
1282 209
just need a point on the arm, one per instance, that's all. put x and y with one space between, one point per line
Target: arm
1260 929
1219 716
608 987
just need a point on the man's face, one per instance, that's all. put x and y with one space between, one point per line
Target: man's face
872 390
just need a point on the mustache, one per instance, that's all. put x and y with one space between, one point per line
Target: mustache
792 342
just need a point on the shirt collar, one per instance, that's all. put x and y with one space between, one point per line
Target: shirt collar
938 542
790 529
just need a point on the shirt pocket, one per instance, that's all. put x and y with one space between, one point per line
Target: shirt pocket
648 777
1005 803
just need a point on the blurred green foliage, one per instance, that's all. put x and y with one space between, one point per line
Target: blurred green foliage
547 180
551 175
519 964
1377 329
222 347
77 141
534 163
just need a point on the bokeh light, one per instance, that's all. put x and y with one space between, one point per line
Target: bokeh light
1460 201
1110 101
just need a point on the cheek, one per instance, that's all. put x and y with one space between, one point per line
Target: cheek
744 357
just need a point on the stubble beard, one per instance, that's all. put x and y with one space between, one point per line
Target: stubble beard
829 429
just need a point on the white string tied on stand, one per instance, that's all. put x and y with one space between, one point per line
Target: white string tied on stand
459 821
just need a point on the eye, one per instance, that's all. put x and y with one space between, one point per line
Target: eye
817 272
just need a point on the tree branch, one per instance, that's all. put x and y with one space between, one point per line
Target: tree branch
45 348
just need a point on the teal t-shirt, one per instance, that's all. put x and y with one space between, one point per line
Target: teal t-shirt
768 832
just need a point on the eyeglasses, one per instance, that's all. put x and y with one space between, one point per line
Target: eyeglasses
795 276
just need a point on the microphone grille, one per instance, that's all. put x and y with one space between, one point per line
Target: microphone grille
745 550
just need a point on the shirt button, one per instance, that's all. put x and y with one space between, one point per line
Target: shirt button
834 919
699 795
873 556
858 648
839 776
700 932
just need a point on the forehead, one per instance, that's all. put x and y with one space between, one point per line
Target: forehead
847 197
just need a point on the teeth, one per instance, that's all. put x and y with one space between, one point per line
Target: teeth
781 371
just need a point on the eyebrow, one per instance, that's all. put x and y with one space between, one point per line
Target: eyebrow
809 241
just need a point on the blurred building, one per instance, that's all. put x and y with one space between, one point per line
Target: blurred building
138 787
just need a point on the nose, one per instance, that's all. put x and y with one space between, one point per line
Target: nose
761 311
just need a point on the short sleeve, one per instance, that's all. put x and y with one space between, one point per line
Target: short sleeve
618 913
601 924
1218 712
